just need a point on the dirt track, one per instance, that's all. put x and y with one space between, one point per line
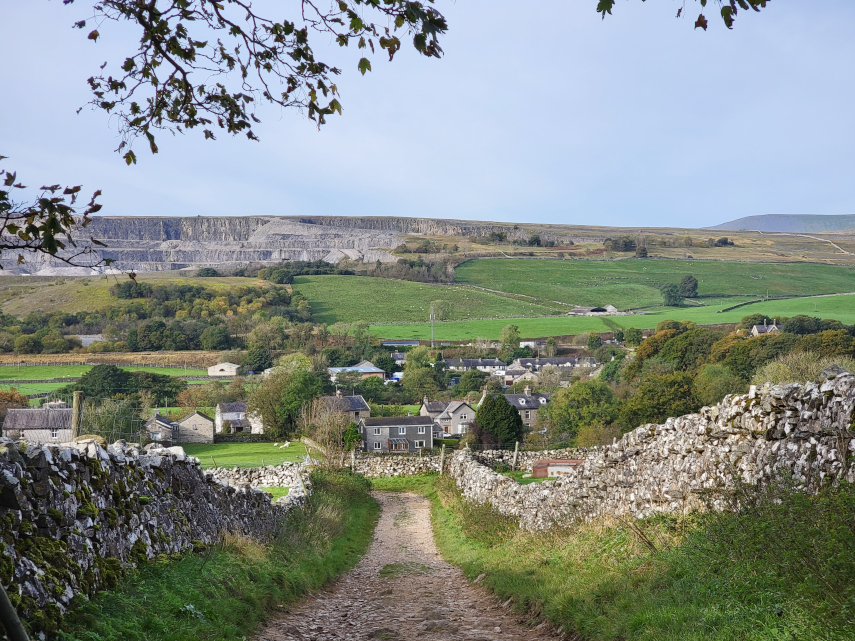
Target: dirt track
401 590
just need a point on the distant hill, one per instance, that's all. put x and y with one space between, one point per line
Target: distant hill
790 222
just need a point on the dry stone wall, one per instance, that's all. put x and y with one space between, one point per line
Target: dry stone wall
74 516
293 475
805 431
374 466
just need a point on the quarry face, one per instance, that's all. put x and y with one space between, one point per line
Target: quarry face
146 244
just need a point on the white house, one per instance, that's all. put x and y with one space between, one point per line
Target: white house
239 421
223 369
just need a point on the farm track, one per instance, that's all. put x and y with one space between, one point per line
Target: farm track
400 591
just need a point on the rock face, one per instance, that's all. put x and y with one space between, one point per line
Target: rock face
805 431
73 516
154 244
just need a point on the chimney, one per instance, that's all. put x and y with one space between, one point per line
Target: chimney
527 390
338 393
764 322
426 399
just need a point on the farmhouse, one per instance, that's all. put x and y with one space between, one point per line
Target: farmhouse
365 369
355 406
195 428
232 417
400 358
161 429
453 417
396 434
527 404
760 330
535 364
223 369
48 424
488 365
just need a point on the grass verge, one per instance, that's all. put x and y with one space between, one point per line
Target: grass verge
782 568
244 454
226 592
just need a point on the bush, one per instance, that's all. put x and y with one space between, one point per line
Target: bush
799 367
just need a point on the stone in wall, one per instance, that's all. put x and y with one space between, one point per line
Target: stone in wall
804 431
73 516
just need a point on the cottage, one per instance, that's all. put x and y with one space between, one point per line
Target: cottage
49 424
399 344
365 369
355 406
760 330
488 365
161 429
195 428
223 369
527 404
400 358
537 363
232 417
453 417
397 434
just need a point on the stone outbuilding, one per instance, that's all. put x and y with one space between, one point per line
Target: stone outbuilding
224 370
195 428
50 423
355 406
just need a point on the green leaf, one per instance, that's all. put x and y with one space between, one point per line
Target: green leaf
130 158
727 16
364 65
605 7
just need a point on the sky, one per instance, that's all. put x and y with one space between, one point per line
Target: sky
538 112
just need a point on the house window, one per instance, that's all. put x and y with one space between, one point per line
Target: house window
421 430
356 415
463 417
402 430
463 429
376 431
420 444
54 432
376 445
527 414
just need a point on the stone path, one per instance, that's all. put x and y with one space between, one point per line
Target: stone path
401 590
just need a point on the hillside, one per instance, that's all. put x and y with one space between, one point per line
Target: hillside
797 223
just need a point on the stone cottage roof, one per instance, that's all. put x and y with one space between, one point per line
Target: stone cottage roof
435 407
348 403
192 414
397 421
475 362
231 408
38 419
531 401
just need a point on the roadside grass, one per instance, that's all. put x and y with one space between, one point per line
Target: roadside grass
519 477
277 492
228 591
782 568
839 307
634 283
377 300
244 454
46 372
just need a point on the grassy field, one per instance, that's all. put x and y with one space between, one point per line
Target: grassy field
351 298
244 454
781 571
840 307
633 283
228 591
92 293
45 372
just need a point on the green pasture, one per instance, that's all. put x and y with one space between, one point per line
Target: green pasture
634 283
840 307
45 372
244 454
362 298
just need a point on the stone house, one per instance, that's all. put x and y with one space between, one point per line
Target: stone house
397 433
195 428
488 365
355 406
48 424
453 417
223 369
239 421
400 358
527 404
570 362
161 429
760 330
365 369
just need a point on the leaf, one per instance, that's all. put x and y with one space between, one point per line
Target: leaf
364 65
701 22
727 16
93 35
130 158
605 6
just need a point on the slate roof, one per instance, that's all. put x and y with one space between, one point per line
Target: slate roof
475 362
396 421
400 344
364 367
452 407
348 403
528 401
38 419
159 421
205 416
435 407
529 363
231 408
765 329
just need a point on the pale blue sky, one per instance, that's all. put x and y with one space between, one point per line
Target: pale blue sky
538 112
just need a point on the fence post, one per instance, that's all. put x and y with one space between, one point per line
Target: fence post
442 460
353 460
75 414
516 452
10 620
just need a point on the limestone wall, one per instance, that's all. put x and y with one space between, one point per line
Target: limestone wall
802 430
377 465
73 516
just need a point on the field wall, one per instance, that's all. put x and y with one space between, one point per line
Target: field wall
74 516
802 431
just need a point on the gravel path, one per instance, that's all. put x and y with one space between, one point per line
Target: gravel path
401 590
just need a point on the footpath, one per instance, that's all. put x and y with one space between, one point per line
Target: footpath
402 590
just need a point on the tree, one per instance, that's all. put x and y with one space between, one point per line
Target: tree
420 383
688 286
583 403
257 359
207 272
329 426
551 347
280 398
715 381
499 418
102 381
28 344
641 251
633 336
728 11
509 338
659 396
671 296
802 324
594 341
215 338
471 381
